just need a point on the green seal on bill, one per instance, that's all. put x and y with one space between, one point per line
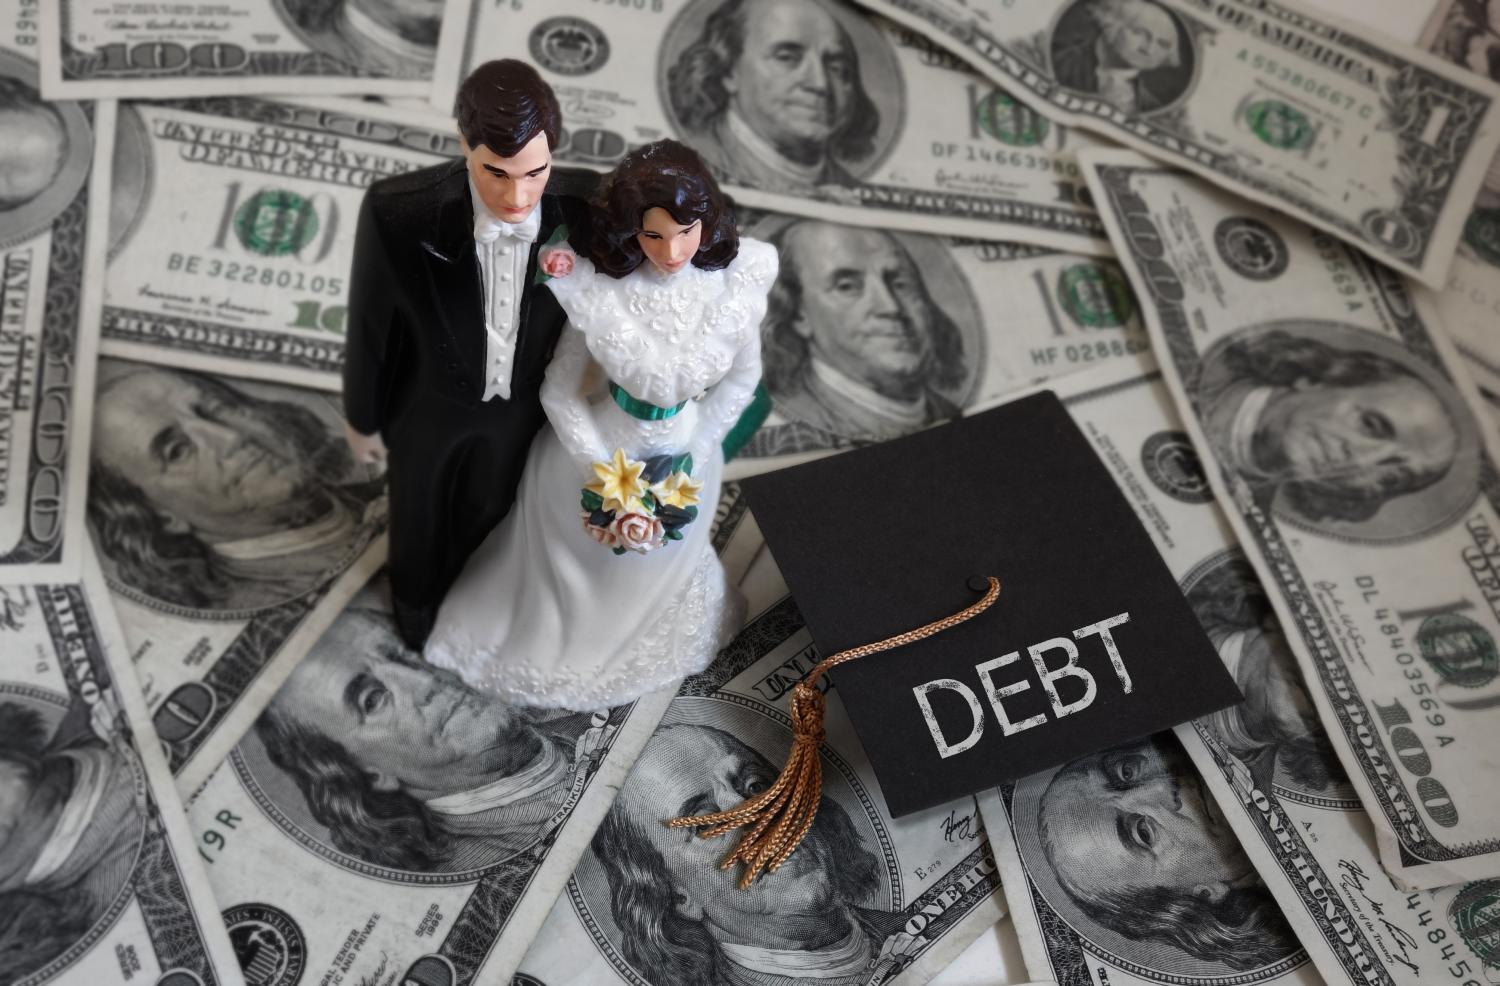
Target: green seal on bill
1280 125
1482 234
1475 913
1095 296
1461 651
274 223
1010 121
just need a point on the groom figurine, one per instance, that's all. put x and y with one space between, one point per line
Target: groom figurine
448 333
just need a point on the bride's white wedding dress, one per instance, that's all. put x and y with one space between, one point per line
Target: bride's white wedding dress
544 615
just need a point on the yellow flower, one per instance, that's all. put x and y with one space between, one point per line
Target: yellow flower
678 490
619 483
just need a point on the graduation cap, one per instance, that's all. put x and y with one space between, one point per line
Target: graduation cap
1089 644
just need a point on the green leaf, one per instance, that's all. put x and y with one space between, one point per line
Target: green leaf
683 463
592 501
619 551
692 513
648 501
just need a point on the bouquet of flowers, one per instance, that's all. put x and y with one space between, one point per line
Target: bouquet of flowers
640 506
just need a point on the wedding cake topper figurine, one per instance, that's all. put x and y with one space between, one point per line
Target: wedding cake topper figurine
449 334
601 583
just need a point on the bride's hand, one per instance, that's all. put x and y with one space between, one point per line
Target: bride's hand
557 262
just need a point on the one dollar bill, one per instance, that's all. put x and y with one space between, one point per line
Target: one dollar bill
1344 446
232 229
102 882
865 899
143 50
1375 142
808 108
53 207
1467 35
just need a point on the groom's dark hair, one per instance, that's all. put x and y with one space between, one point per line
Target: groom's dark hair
505 103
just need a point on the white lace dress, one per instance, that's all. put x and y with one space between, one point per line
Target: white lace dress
544 615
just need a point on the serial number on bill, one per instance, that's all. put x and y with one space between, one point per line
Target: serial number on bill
242 273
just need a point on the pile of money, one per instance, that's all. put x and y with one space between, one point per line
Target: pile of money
1254 248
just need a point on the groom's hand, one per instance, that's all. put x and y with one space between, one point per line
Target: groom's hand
368 449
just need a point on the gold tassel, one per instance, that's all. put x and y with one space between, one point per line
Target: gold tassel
781 815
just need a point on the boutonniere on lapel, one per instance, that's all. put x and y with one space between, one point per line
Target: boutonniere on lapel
559 236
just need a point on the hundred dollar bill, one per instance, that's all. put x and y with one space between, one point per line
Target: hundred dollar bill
431 826
1344 445
808 107
1267 763
138 49
873 334
1468 34
54 181
101 880
866 899
232 229
1270 763
233 526
1373 141
1120 867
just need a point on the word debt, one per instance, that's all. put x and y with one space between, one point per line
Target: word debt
1050 676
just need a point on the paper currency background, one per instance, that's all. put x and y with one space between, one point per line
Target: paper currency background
177 189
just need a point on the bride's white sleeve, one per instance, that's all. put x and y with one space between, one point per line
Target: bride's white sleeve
754 272
726 401
566 404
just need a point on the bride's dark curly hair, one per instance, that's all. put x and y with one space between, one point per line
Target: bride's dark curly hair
671 176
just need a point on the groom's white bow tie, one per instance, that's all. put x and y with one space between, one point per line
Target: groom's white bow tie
488 229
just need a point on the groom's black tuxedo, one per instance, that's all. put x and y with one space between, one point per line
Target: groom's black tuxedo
414 368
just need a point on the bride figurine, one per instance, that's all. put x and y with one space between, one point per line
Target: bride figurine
601 585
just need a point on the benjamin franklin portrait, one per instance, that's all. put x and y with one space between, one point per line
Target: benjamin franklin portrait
1128 845
219 496
855 344
679 920
1134 54
71 823
774 92
1338 428
393 763
386 37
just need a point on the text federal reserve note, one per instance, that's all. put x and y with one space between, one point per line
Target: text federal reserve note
139 49
232 229
866 899
55 159
1373 141
873 334
102 882
809 108
1321 390
233 525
